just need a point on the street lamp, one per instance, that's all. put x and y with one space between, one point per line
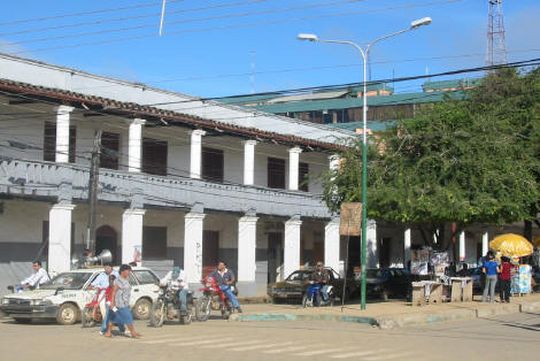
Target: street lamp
364 52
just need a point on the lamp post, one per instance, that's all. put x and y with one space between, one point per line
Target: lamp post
364 52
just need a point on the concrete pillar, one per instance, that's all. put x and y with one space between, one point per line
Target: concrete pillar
372 250
485 243
60 237
332 244
462 246
294 166
132 235
135 145
247 245
196 153
291 260
406 247
249 162
62 133
193 246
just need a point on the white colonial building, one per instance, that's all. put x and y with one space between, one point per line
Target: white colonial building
182 181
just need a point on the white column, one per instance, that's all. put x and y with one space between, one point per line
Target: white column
462 245
135 145
332 244
406 247
62 133
193 246
485 243
373 253
196 153
291 260
294 165
247 243
132 235
249 162
60 237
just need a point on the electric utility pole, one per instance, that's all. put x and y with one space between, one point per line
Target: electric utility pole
93 183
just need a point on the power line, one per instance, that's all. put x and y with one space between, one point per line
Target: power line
186 21
236 26
83 13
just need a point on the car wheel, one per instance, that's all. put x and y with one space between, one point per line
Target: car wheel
23 320
142 308
68 314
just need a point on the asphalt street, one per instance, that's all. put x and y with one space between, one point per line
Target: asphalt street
503 338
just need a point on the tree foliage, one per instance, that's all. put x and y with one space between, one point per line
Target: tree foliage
474 160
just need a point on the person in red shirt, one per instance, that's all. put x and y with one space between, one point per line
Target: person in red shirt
505 278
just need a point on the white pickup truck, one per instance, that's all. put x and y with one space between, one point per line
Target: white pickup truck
64 297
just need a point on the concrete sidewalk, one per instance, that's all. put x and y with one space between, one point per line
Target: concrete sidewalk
390 314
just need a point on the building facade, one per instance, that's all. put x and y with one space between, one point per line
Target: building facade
182 181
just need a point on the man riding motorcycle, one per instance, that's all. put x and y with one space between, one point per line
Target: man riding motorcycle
177 279
321 277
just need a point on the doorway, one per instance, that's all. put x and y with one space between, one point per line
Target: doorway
275 255
106 238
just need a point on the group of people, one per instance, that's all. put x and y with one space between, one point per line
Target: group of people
495 272
115 305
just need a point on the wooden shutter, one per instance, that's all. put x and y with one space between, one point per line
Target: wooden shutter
212 164
49 143
303 177
110 146
154 156
276 173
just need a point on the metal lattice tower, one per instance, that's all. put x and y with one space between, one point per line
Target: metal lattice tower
496 47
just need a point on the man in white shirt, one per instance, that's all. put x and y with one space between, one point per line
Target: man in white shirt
100 283
36 279
176 280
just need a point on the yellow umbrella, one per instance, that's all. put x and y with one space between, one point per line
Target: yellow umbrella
511 245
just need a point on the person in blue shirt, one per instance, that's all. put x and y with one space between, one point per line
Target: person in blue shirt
490 268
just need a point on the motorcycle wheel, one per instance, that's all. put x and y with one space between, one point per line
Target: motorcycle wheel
87 317
305 301
157 314
186 319
225 313
202 309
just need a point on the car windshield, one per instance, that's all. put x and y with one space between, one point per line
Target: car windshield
68 280
299 276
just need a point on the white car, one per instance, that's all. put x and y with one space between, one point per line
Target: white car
64 297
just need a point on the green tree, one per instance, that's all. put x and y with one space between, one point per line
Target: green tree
468 161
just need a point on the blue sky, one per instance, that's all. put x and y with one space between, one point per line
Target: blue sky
218 47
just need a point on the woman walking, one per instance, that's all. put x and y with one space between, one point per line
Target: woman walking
120 302
505 278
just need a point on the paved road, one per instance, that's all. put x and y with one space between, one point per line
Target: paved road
504 338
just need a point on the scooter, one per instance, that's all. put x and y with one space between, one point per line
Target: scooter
313 296
213 298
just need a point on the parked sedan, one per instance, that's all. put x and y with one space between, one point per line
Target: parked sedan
385 283
294 286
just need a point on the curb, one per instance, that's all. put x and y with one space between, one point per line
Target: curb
258 317
400 320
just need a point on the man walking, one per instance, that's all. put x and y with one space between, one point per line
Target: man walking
225 279
490 268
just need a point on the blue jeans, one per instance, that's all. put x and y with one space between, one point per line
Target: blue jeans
182 297
324 293
227 290
108 317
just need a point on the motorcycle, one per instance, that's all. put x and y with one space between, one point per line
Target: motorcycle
167 307
313 296
91 313
212 299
